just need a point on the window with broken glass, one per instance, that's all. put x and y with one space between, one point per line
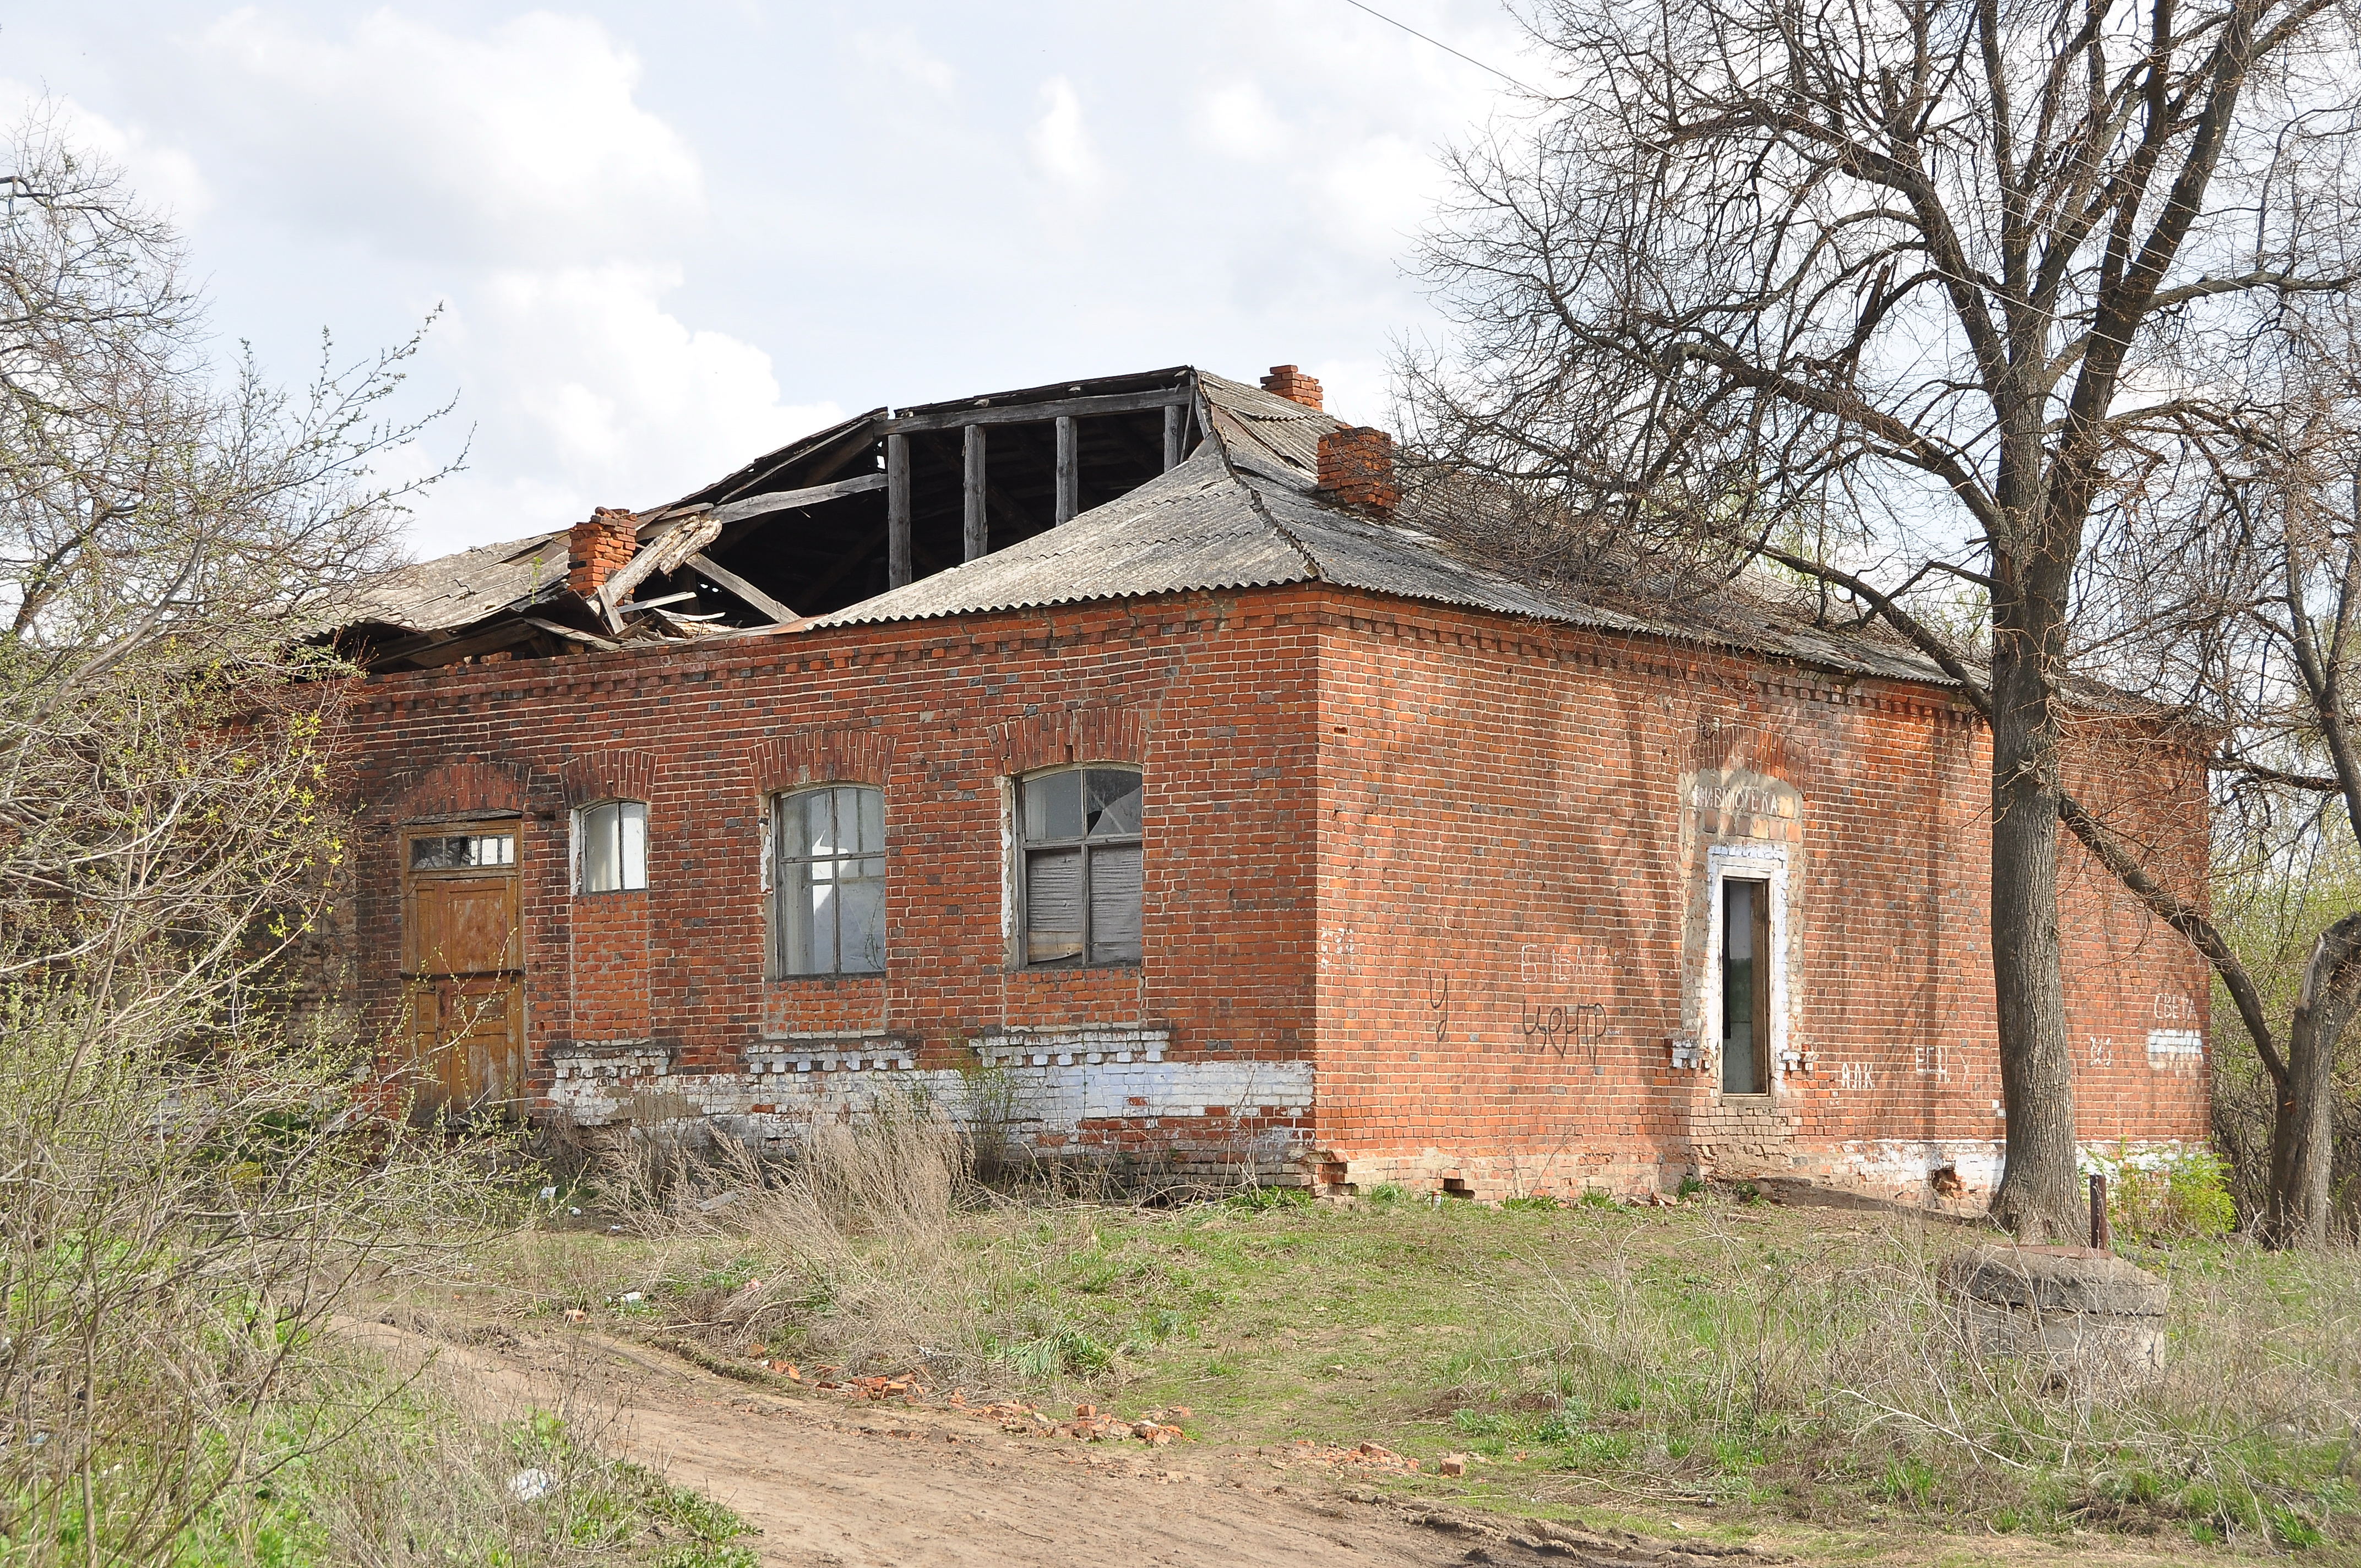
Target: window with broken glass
1081 856
830 853
611 846
461 852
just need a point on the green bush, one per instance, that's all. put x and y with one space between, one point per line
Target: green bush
2173 1195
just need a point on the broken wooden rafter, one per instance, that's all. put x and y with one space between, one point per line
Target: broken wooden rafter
776 500
554 629
810 496
666 554
722 578
651 604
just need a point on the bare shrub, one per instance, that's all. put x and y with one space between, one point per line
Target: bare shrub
900 1172
427 1476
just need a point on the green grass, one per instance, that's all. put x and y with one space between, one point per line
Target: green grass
523 1493
1775 1366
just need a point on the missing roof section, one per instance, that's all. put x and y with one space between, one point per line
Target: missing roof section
807 530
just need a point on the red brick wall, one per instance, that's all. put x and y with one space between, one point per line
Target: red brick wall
1212 696
1516 831
1424 839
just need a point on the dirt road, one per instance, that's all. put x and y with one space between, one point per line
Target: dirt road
828 1482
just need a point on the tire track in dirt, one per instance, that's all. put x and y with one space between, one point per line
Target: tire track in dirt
869 1486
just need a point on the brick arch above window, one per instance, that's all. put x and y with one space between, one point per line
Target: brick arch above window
1097 733
619 775
822 756
465 787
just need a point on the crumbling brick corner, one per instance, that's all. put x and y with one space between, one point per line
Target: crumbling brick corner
1356 467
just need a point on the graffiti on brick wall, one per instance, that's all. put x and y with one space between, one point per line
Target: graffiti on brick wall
1569 1033
1438 1002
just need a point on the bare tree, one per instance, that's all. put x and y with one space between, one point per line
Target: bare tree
1904 295
182 1201
2250 614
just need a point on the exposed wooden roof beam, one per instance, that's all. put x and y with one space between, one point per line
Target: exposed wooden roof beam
663 556
1028 414
778 500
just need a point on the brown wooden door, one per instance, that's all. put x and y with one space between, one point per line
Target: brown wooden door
463 963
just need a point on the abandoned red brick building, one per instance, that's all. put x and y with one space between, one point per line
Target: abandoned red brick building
1117 762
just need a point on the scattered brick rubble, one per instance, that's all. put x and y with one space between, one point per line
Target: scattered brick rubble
1090 1424
1367 1456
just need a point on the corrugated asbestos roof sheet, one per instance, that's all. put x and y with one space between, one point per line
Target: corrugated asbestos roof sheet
1194 528
1242 512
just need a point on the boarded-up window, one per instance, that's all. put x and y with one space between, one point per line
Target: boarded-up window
1079 836
830 897
611 841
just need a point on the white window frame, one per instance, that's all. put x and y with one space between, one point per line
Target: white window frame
623 867
1744 863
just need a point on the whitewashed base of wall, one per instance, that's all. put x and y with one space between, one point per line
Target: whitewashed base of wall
1231 1119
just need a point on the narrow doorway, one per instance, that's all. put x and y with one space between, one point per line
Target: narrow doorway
1745 987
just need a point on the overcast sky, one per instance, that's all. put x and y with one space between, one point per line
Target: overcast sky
666 238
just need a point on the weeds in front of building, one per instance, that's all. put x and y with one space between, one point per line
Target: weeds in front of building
1721 1360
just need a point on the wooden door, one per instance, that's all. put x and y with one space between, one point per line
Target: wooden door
463 963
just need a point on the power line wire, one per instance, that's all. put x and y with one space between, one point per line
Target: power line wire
1446 47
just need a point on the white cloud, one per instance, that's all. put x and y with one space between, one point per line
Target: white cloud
1238 122
587 393
1061 143
522 140
627 398
513 172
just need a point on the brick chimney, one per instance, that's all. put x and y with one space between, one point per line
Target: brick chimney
1356 467
1287 382
597 549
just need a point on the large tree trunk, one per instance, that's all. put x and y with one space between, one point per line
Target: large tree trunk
2037 1196
2301 1128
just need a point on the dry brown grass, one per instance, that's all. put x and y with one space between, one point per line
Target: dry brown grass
874 1247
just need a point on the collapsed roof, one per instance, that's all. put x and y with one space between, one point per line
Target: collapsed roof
1120 487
